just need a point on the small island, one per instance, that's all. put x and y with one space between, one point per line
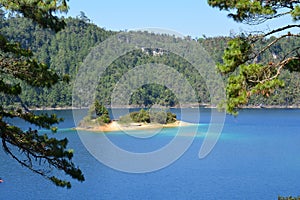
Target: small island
98 120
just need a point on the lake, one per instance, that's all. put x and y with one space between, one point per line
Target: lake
256 157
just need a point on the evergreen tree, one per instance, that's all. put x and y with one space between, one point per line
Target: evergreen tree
247 75
18 66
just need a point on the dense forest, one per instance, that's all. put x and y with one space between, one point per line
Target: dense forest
65 52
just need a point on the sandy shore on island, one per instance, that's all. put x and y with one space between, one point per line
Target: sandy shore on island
115 126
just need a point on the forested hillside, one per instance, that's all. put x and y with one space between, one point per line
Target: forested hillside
63 52
66 50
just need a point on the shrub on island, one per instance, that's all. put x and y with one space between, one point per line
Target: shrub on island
148 116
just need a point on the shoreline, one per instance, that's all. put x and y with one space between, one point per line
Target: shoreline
184 106
56 108
115 126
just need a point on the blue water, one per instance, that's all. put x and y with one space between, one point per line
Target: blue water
257 157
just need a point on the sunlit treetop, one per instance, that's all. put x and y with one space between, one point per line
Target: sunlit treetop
254 12
40 11
248 70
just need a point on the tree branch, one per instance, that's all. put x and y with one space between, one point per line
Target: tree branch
7 150
259 19
282 29
273 42
279 67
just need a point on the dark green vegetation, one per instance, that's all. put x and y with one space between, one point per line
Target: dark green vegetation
259 64
148 116
32 39
102 113
97 115
65 51
151 94
255 63
19 71
288 198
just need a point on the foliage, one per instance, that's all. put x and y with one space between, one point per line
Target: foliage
102 113
19 67
288 198
254 12
171 118
253 62
97 114
148 116
150 94
100 109
65 51
103 119
39 11
141 116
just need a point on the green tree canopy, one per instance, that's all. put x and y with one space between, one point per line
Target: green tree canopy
65 51
102 113
37 152
40 11
245 64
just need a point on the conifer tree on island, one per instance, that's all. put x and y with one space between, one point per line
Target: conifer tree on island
245 65
37 152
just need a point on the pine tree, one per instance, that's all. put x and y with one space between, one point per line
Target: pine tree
37 152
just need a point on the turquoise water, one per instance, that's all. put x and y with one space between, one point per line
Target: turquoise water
257 157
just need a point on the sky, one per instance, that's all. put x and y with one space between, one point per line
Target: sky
187 17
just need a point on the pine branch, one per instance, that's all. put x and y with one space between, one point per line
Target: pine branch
282 29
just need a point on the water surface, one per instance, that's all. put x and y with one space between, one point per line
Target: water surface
257 157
